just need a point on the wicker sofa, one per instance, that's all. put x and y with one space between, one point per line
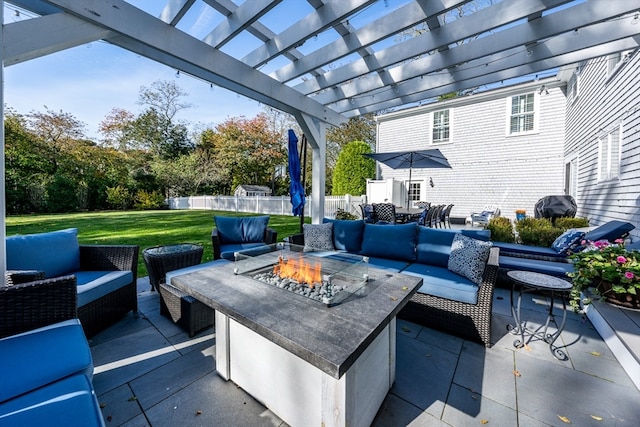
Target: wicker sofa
105 274
447 300
45 360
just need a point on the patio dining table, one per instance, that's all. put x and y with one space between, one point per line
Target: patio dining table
408 214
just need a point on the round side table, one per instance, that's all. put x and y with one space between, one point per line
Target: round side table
161 259
543 283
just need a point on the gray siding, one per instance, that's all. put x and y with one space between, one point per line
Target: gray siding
603 103
488 167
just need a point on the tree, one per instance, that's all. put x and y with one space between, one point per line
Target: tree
353 169
118 129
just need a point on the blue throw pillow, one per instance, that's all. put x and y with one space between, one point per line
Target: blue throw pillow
347 234
469 257
434 245
390 241
567 241
55 253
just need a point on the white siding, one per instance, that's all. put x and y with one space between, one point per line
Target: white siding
488 167
602 104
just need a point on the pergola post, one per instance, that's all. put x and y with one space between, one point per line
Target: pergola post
316 132
3 230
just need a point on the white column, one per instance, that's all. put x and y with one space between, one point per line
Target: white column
3 205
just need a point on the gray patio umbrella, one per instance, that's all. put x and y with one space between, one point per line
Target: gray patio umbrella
412 159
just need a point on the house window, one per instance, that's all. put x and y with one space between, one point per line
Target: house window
440 127
522 117
573 85
414 191
609 155
616 61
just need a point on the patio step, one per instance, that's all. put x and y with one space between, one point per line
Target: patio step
620 329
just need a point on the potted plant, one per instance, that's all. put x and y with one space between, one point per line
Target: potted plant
611 269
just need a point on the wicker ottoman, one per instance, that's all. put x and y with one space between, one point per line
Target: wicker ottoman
185 310
161 259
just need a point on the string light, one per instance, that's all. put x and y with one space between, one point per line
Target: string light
178 74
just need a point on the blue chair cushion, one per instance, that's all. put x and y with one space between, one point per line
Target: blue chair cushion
93 285
390 241
55 253
553 268
567 241
228 251
42 356
444 283
197 267
528 249
68 402
347 234
248 229
434 245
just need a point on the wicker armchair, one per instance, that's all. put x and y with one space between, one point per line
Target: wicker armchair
469 321
32 305
108 309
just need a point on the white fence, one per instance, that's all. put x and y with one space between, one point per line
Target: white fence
273 205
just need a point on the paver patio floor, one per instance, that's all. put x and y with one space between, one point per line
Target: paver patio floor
148 372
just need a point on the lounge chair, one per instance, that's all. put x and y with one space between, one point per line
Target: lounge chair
483 217
610 231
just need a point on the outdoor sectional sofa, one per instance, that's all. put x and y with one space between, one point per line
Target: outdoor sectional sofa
447 300
105 274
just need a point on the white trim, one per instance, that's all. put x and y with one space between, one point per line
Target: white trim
431 128
606 137
536 114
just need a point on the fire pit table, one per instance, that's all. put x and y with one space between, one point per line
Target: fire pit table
310 361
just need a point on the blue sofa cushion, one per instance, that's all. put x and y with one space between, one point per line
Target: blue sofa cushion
96 284
567 241
554 268
68 402
390 241
434 245
468 257
55 253
347 234
318 237
228 251
42 356
443 283
248 229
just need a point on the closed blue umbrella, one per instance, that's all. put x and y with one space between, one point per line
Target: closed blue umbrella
296 190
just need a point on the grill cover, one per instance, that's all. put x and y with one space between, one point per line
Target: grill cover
553 207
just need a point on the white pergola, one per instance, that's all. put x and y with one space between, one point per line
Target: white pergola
324 61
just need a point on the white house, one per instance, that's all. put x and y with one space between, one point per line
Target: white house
505 147
602 146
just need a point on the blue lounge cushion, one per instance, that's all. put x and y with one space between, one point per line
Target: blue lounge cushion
347 234
434 245
68 402
318 237
390 241
567 241
35 358
443 283
528 249
553 268
468 257
93 285
56 253
610 231
248 229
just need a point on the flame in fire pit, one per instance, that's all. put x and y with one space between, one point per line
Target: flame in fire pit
299 270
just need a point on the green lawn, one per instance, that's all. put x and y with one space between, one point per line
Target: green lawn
142 228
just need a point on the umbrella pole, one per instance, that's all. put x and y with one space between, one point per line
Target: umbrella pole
409 183
303 153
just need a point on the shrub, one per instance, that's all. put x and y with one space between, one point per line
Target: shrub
118 197
342 214
537 231
566 223
501 229
149 200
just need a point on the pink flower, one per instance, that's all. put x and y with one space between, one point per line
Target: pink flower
629 275
621 259
619 241
583 243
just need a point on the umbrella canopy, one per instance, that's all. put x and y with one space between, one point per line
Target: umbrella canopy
296 190
412 159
